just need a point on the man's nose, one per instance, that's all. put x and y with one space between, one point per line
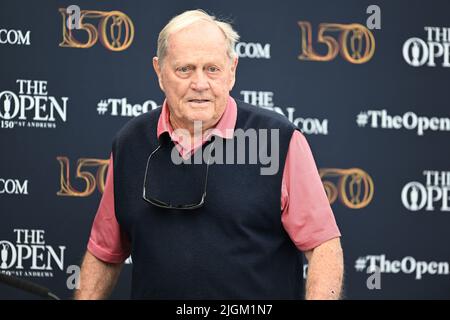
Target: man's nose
200 81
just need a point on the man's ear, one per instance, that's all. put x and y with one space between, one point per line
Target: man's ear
157 68
233 72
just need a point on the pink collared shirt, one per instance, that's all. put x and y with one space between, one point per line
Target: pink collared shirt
224 129
306 213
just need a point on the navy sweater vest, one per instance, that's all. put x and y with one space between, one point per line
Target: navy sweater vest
233 247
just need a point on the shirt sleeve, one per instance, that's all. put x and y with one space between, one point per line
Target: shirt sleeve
306 212
107 241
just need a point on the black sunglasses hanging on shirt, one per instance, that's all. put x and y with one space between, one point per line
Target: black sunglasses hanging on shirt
149 196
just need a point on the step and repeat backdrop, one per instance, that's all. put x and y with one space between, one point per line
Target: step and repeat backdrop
366 81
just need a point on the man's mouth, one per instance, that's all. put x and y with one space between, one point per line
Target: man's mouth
199 100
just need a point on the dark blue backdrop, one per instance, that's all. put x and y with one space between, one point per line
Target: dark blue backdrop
388 183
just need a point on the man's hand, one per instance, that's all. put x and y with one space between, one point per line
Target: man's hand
325 271
97 278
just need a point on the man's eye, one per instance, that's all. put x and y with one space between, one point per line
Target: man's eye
184 69
213 69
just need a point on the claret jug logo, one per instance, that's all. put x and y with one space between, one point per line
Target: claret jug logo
31 107
434 50
433 195
28 255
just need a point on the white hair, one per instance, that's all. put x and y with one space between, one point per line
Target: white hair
191 17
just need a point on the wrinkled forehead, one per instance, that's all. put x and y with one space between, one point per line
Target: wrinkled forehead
202 36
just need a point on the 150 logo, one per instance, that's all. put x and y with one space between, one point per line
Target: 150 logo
354 41
114 29
354 187
82 171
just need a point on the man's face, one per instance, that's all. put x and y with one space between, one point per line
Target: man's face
196 75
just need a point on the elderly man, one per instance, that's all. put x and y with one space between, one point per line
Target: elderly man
210 230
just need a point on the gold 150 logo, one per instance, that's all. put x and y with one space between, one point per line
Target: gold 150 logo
114 29
355 42
90 180
354 186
